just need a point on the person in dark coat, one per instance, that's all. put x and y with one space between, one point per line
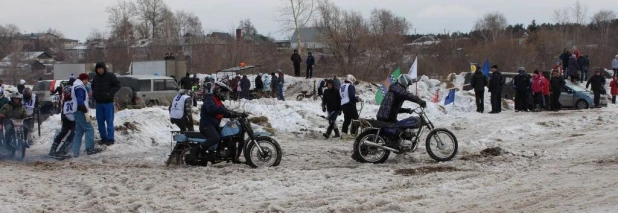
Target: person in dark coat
321 86
310 62
583 64
259 84
186 82
564 57
556 84
21 86
336 82
478 82
296 60
280 82
331 104
348 105
597 81
496 82
104 87
245 84
211 113
521 84
572 68
273 84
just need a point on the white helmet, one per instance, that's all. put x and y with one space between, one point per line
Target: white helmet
350 78
405 80
22 81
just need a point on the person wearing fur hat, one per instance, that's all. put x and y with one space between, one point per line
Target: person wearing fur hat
104 87
348 104
495 85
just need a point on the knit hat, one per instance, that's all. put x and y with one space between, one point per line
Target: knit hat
83 76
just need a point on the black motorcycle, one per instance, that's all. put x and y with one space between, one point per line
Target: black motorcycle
260 150
378 139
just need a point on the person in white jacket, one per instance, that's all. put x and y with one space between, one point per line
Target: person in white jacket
615 66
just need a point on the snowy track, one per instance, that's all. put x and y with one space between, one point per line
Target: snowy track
553 162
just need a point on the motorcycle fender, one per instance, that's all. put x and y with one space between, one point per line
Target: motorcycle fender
263 134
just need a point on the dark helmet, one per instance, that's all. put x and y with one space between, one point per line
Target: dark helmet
220 90
66 92
27 93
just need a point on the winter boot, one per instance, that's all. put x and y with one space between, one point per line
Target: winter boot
336 133
52 151
93 151
64 149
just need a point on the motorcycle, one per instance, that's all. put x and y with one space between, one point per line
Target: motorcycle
17 145
260 150
306 94
378 139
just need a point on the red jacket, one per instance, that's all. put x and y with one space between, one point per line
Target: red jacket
614 87
538 84
546 89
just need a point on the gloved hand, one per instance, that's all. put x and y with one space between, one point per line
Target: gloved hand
405 110
82 108
323 109
423 104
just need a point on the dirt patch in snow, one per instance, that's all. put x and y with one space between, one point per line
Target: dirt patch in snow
577 135
489 152
126 126
426 170
606 162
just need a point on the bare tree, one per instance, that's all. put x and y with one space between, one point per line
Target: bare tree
580 12
121 18
188 22
152 13
562 18
7 39
142 30
169 27
295 15
247 27
603 20
387 37
491 26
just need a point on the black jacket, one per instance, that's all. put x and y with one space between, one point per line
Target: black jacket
245 84
564 57
392 102
331 100
598 83
258 83
20 88
296 58
496 82
274 82
478 81
186 83
521 82
310 60
104 87
582 62
556 84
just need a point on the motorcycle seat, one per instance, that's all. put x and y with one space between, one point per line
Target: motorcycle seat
194 135
380 124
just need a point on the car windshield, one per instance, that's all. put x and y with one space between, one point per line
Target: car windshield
576 88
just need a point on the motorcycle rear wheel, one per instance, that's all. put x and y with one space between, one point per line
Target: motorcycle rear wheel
272 153
361 151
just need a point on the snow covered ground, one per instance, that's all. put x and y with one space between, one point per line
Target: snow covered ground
549 162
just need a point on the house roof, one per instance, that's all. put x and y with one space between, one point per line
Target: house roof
309 34
25 55
221 35
255 37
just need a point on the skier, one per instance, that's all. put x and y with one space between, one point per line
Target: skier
180 111
348 104
68 124
13 110
79 109
331 104
598 86
211 114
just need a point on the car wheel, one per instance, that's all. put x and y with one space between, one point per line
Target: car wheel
151 103
581 104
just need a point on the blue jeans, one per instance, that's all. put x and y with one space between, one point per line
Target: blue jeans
280 92
82 127
584 74
105 114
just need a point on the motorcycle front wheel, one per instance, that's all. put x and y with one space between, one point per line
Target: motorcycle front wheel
300 97
441 144
19 150
270 157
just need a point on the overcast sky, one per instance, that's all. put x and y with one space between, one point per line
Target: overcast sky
76 18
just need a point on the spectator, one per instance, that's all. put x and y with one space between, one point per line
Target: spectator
273 85
538 85
21 86
310 62
478 82
496 82
81 114
267 85
546 93
598 86
583 64
186 82
245 85
280 83
167 56
321 86
104 87
348 105
614 89
259 84
557 83
331 104
296 60
336 82
573 68
615 66
564 57
521 84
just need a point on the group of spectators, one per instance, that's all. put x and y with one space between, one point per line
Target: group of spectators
297 60
265 85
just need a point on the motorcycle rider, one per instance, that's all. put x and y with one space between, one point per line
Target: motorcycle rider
211 114
180 111
394 98
30 103
13 110
68 124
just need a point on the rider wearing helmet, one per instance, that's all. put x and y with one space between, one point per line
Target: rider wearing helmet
348 104
3 100
394 98
67 121
30 103
180 111
210 118
13 110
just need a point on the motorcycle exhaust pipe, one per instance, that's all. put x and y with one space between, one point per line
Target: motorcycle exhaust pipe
368 143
